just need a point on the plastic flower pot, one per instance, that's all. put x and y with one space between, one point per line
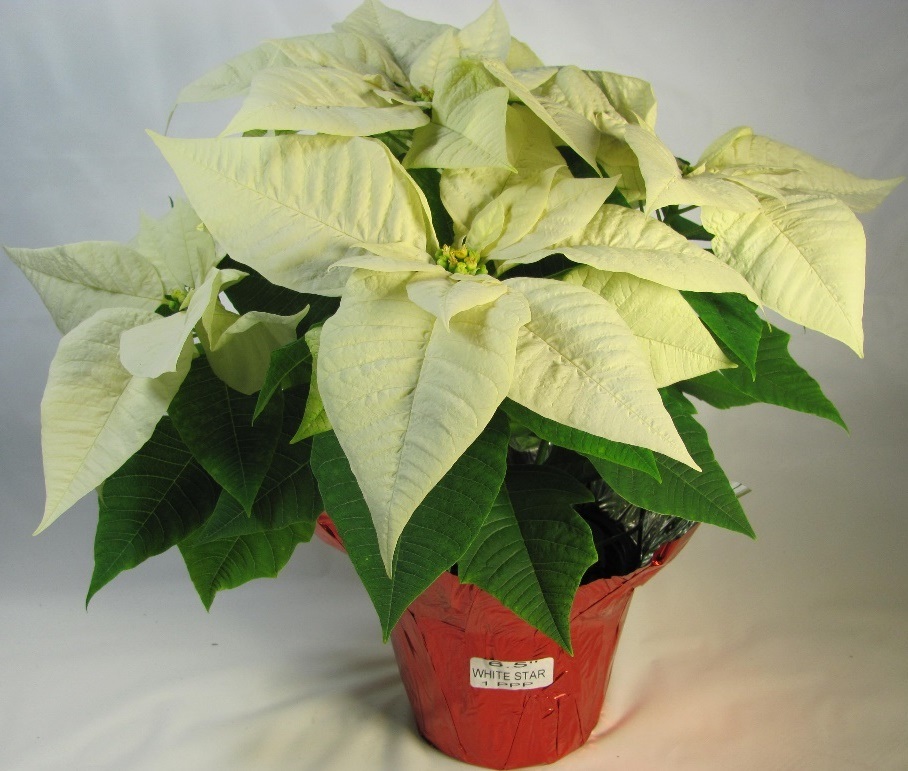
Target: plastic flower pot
489 689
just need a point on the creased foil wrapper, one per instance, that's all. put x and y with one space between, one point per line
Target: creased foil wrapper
452 623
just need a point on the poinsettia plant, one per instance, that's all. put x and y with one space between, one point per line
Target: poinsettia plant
453 296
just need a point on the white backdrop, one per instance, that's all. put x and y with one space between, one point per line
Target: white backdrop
785 653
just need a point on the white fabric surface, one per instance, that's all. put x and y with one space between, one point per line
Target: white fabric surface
787 653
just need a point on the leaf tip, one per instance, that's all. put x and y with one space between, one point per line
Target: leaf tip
46 521
689 461
563 637
97 583
746 528
163 143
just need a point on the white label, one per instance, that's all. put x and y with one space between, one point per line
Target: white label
491 673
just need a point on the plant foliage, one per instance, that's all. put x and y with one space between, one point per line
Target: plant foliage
450 292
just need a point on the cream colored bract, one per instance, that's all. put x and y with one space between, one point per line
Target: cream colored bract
122 362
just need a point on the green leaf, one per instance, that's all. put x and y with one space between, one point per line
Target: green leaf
216 423
704 496
288 495
715 390
438 533
232 548
779 380
230 562
291 360
152 502
733 320
533 549
587 444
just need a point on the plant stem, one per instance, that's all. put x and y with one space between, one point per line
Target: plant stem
543 453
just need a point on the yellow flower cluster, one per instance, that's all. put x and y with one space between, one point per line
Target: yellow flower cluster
460 260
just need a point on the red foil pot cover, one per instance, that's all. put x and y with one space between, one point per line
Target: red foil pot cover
489 689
